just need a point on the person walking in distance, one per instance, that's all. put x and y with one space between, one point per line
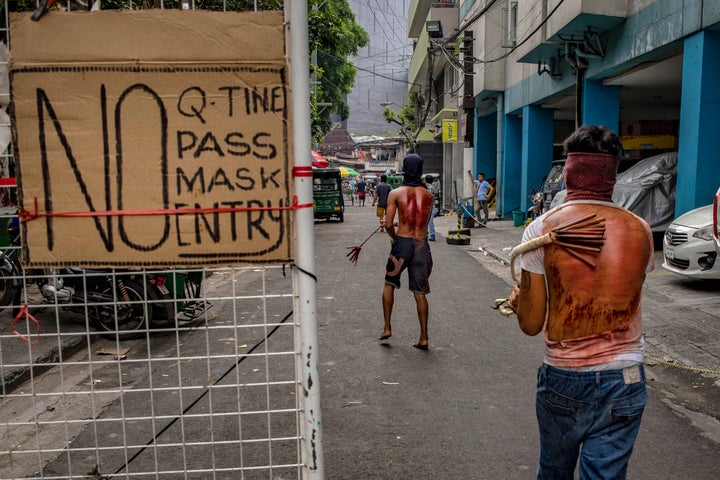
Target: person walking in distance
410 247
381 197
429 183
361 186
591 386
483 192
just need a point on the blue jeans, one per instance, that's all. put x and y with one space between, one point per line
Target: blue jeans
482 205
431 224
593 415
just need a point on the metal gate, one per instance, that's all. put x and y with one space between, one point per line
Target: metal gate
221 384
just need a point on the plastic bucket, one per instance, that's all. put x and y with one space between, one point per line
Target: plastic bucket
518 218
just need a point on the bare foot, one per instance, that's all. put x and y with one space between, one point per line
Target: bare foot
385 335
421 345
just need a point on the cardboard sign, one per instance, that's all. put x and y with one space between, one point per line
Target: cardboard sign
152 138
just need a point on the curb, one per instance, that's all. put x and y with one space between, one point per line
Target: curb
493 242
14 378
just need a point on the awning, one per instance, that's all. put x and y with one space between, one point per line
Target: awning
318 160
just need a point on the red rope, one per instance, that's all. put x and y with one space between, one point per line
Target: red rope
304 171
24 311
26 215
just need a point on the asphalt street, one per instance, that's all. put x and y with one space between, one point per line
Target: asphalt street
465 408
462 410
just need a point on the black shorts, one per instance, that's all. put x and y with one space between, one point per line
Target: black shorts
413 255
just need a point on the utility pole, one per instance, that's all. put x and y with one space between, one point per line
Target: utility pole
468 104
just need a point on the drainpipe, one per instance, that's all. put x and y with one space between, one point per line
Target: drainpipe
579 77
468 104
499 154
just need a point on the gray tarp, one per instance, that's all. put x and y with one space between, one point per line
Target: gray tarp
647 189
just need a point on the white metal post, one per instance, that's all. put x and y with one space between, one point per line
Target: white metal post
305 303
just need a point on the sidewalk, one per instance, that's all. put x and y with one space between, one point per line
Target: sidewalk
496 239
681 316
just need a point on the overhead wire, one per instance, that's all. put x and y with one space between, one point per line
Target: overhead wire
447 54
369 71
442 49
370 56
382 11
524 40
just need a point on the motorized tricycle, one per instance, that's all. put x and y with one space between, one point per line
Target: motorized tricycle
327 194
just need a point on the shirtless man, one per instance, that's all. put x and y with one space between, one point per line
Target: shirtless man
591 387
410 247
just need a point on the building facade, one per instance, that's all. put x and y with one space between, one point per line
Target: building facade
436 80
539 68
382 65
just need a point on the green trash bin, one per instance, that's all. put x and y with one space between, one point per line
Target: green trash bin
6 214
518 218
185 287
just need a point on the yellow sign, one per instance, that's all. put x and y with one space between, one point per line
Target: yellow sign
449 131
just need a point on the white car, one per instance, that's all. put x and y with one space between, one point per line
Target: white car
689 246
716 220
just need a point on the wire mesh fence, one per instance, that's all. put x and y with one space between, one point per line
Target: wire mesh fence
214 396
146 374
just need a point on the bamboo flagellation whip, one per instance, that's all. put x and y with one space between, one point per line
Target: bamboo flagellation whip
354 252
581 237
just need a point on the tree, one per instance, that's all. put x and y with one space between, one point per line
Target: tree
411 118
335 35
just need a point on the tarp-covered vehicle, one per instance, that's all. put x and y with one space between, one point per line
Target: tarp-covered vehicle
554 183
327 194
647 189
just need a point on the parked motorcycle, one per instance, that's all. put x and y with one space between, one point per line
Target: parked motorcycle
114 300
536 198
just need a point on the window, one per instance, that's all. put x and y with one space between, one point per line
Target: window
510 16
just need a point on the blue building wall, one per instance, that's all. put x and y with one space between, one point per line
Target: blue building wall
537 141
654 32
511 166
601 105
698 177
486 146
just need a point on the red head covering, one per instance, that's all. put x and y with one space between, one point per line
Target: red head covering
590 176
